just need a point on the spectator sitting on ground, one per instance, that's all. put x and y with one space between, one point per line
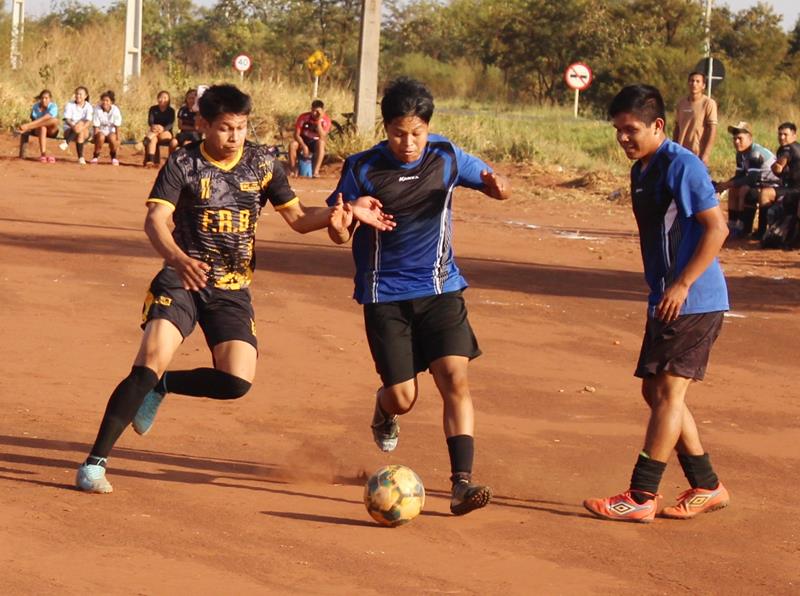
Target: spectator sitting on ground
43 124
187 130
696 119
753 183
107 120
310 133
160 119
78 116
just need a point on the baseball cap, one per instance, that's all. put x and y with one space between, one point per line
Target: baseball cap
740 126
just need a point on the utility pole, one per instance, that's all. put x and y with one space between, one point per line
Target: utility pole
707 48
132 62
368 52
17 30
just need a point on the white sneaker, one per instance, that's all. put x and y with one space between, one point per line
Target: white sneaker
92 479
81 161
63 145
146 414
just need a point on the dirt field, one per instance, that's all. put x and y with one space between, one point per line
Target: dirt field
263 495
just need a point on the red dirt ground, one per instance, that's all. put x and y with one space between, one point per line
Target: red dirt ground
263 495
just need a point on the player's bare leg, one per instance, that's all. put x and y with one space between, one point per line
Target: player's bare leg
319 155
391 402
450 376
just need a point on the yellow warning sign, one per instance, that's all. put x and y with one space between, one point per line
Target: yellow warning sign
318 63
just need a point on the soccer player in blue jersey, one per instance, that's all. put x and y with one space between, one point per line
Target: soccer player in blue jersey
681 230
213 192
407 279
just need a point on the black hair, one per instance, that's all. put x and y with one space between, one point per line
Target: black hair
109 94
406 97
317 103
169 97
224 99
643 101
43 92
790 125
84 89
696 73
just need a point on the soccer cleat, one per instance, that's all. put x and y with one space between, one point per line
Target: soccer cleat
624 508
114 161
146 415
468 497
698 500
81 161
63 145
92 479
384 429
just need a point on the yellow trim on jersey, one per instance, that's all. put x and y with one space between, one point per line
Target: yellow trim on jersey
160 202
226 166
287 204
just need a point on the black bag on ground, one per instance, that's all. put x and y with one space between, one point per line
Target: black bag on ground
781 225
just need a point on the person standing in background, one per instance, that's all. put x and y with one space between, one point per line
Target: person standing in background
696 119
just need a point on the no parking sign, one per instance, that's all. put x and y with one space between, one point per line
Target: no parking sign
578 76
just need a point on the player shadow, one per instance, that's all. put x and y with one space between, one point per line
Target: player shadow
529 504
325 519
218 472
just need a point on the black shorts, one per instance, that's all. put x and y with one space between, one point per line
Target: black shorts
406 336
681 347
224 315
187 137
311 144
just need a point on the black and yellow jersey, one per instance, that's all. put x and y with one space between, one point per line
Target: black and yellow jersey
217 207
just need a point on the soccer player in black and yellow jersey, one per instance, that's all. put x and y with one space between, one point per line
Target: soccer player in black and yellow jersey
213 191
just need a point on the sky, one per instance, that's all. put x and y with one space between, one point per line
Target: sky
788 8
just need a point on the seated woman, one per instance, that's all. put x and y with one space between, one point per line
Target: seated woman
107 120
160 119
43 124
187 130
78 122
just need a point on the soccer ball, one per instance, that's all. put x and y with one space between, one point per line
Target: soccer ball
394 495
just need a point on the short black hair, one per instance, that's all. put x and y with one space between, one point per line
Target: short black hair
406 97
109 94
790 125
643 101
696 73
317 103
224 99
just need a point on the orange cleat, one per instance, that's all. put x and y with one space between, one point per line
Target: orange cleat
698 500
622 507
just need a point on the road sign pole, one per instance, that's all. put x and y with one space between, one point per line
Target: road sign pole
710 74
577 93
316 88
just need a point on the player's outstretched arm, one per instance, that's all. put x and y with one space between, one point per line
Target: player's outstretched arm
715 231
156 225
495 186
307 219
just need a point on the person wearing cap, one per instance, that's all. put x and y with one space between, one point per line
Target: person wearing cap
696 119
753 184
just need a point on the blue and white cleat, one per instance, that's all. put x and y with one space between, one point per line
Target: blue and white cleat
146 415
92 479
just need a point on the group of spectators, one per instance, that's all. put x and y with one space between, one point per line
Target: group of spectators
764 183
82 121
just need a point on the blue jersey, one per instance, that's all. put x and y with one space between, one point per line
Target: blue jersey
666 195
415 259
37 111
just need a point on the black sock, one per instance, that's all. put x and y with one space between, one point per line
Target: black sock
645 478
733 215
79 147
203 382
113 155
762 220
698 471
121 408
96 155
150 158
748 215
462 451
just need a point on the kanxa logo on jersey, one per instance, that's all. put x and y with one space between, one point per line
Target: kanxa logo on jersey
407 178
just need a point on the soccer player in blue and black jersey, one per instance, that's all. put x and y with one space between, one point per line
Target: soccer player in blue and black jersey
213 191
407 279
681 231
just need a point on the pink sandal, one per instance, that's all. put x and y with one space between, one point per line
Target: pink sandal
43 159
51 159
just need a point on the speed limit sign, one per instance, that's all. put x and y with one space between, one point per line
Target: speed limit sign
242 63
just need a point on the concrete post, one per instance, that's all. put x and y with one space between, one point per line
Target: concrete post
17 30
132 62
368 52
